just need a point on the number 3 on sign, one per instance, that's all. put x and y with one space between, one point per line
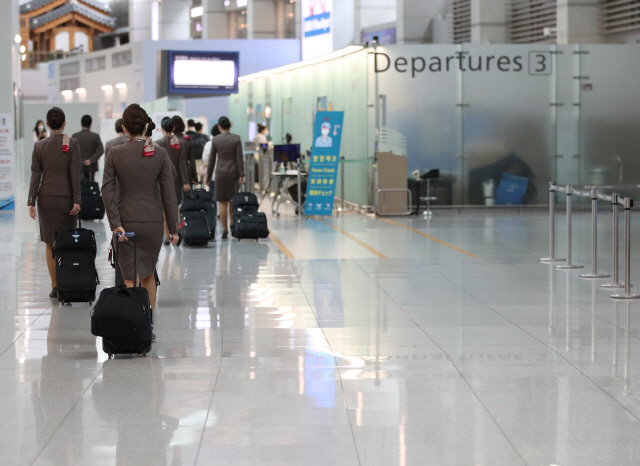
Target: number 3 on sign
540 63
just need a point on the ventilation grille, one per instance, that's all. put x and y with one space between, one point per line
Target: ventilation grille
529 18
120 11
619 15
461 21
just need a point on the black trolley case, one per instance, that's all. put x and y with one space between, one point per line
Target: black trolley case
122 316
76 275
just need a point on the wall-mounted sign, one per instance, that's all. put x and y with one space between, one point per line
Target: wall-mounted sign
7 158
325 159
536 63
317 28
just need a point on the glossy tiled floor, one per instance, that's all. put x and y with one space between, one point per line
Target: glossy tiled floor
354 342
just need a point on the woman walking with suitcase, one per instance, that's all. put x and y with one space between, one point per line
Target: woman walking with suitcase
138 175
55 185
226 150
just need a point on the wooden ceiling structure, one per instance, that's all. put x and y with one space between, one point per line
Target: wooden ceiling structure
42 20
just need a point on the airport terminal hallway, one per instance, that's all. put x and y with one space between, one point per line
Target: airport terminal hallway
345 341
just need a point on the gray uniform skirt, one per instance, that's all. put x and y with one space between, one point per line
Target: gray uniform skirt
225 186
53 212
148 239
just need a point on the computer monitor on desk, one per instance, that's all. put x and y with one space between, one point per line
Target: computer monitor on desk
286 153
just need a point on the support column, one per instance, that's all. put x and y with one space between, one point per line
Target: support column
488 22
139 20
175 20
415 20
261 19
215 24
577 22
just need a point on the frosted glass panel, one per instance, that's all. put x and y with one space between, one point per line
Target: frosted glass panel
609 118
507 123
423 106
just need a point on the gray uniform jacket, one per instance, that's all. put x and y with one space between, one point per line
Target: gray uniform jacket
90 147
54 172
144 187
185 148
121 139
177 157
226 149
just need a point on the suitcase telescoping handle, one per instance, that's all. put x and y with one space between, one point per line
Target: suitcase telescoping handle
130 235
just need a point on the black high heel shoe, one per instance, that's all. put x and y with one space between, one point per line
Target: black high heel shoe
54 292
225 234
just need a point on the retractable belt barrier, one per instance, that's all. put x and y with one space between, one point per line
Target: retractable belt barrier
616 200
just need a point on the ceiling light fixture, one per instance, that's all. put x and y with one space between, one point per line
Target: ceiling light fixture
81 90
107 87
121 85
67 92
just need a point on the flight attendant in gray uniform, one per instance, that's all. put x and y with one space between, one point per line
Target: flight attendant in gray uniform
138 176
185 148
226 149
181 175
55 185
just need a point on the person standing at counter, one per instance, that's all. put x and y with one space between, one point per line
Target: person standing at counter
55 185
185 148
226 150
137 175
91 148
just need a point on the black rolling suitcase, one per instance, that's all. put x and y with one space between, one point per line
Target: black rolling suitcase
76 275
92 204
248 223
210 208
122 317
194 228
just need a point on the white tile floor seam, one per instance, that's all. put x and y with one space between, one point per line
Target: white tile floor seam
335 357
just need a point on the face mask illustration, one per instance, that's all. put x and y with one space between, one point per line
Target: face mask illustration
325 131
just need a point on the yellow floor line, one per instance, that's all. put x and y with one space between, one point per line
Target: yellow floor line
353 238
281 245
428 237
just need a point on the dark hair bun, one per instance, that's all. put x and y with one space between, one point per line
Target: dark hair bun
150 128
135 119
224 123
55 118
167 124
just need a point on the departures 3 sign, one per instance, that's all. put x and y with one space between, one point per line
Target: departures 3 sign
536 64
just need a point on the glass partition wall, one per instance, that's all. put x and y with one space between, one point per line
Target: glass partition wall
499 121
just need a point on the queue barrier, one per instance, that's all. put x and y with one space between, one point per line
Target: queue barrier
616 200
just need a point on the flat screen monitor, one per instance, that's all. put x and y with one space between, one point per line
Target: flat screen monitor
203 72
286 153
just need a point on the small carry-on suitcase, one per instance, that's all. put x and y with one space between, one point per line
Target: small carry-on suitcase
244 200
210 209
248 223
194 228
92 204
76 274
122 316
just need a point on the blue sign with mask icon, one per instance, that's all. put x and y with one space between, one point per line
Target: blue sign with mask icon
325 160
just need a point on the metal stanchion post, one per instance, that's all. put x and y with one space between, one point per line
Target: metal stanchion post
552 225
594 238
616 266
568 265
628 204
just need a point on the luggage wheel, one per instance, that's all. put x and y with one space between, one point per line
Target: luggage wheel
110 355
144 354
